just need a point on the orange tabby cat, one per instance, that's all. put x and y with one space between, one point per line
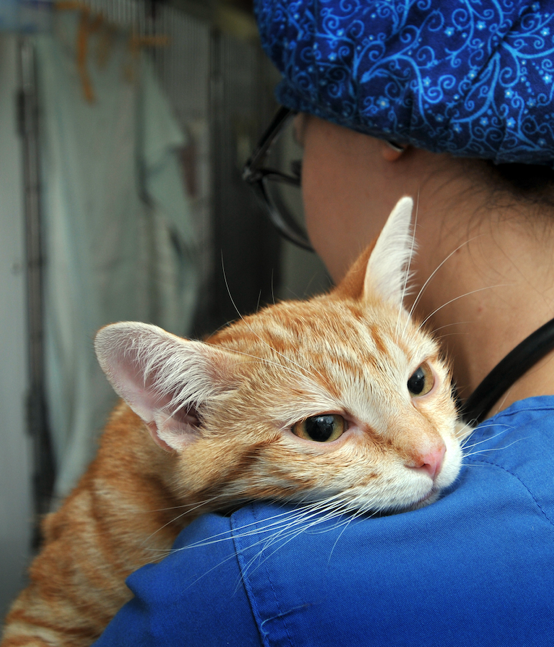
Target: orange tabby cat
342 396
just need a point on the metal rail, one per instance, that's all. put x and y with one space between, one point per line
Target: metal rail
37 418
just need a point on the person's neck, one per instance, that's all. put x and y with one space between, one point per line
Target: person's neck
492 293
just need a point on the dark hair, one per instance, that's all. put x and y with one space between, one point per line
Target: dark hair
531 183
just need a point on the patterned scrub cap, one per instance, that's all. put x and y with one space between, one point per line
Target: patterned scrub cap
471 77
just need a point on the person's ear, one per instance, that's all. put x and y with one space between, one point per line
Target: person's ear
391 152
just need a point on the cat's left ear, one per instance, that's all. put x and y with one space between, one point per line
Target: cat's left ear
383 269
166 380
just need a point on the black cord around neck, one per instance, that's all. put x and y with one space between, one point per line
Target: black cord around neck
516 363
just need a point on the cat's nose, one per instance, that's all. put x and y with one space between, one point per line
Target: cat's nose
431 462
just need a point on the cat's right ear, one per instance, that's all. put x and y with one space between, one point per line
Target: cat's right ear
383 269
165 379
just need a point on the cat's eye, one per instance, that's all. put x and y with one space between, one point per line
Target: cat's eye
320 429
421 380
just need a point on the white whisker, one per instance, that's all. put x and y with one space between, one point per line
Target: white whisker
452 334
423 287
493 449
484 440
461 296
449 325
287 538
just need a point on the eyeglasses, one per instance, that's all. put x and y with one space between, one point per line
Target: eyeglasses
272 185
277 189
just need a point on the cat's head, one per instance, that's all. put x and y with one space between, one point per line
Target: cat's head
341 398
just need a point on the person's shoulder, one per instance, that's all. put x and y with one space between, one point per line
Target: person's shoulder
518 441
194 595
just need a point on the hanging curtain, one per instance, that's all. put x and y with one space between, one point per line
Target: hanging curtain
119 240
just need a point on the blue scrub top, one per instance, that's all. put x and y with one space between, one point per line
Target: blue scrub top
474 568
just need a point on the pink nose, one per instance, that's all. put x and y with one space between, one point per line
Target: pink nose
431 462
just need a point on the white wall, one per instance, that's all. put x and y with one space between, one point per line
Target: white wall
15 494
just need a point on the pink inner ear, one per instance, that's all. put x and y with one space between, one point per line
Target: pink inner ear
185 417
154 433
149 368
127 374
177 430
171 426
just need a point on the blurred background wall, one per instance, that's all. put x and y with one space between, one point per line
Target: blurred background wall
124 126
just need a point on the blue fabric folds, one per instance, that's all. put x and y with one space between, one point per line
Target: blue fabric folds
472 569
469 77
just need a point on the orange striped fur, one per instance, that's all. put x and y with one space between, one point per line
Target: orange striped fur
223 415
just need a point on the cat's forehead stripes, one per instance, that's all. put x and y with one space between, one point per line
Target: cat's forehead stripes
328 355
326 330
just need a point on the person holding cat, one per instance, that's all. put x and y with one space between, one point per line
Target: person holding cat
464 92
451 105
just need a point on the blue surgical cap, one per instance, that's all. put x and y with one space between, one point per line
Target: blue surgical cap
471 77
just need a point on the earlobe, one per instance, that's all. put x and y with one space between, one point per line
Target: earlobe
391 152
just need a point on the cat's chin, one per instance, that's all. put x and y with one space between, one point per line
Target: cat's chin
429 498
424 501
